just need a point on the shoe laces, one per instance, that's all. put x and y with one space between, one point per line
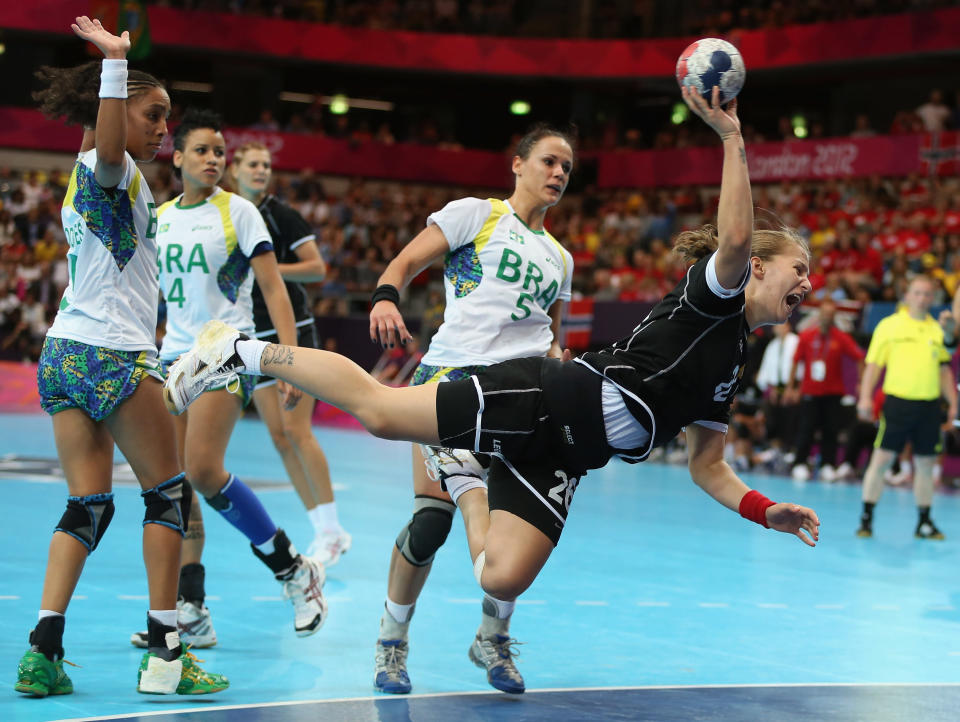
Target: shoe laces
505 650
191 667
392 658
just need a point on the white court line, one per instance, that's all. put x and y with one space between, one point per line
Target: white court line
887 607
81 596
434 695
713 605
267 599
653 604
828 606
133 597
460 600
771 605
532 601
942 608
589 603
11 596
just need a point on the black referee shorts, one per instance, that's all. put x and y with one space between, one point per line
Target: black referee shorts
542 422
903 420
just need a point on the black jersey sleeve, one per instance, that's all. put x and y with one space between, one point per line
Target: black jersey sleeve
294 229
703 295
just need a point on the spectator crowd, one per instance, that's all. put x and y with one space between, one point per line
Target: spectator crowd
869 237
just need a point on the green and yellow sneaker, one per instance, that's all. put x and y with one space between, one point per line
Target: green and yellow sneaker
181 676
38 676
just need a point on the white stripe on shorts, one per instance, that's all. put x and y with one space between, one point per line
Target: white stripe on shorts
532 490
476 435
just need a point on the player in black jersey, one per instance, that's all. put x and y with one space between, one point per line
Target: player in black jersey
547 422
300 262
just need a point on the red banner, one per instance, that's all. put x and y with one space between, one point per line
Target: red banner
890 155
884 36
30 130
893 155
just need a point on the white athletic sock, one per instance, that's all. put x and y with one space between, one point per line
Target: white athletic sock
324 517
400 612
47 613
166 617
496 616
250 352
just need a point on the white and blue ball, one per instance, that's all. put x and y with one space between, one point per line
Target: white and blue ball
709 62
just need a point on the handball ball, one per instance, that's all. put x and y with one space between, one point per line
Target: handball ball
710 62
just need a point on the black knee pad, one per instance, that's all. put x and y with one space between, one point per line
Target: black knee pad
427 530
168 504
87 518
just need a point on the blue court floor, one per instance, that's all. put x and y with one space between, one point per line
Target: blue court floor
657 605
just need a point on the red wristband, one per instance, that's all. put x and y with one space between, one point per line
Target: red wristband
754 505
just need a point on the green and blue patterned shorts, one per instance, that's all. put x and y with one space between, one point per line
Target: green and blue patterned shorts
94 379
426 374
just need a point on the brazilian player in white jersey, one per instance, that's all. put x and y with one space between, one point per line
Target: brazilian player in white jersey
98 375
506 280
546 422
213 244
291 430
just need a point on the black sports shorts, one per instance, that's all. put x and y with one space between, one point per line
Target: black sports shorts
541 420
903 420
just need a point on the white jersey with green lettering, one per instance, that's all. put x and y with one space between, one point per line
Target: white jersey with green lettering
501 278
111 296
205 252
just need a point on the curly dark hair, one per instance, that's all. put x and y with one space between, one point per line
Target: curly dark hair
74 93
194 119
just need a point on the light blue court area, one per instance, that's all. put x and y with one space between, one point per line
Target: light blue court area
657 605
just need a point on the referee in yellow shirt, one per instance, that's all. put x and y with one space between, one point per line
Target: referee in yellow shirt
912 346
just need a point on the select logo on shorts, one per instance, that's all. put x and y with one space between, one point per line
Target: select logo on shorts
496 446
567 435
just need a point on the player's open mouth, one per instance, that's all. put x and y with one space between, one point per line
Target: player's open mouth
794 300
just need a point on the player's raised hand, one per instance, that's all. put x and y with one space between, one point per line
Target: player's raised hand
112 46
724 121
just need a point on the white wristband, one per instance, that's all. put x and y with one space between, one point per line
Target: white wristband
113 78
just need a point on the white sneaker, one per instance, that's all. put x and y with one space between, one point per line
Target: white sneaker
211 361
901 477
845 470
305 590
828 473
327 547
193 623
495 654
800 472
